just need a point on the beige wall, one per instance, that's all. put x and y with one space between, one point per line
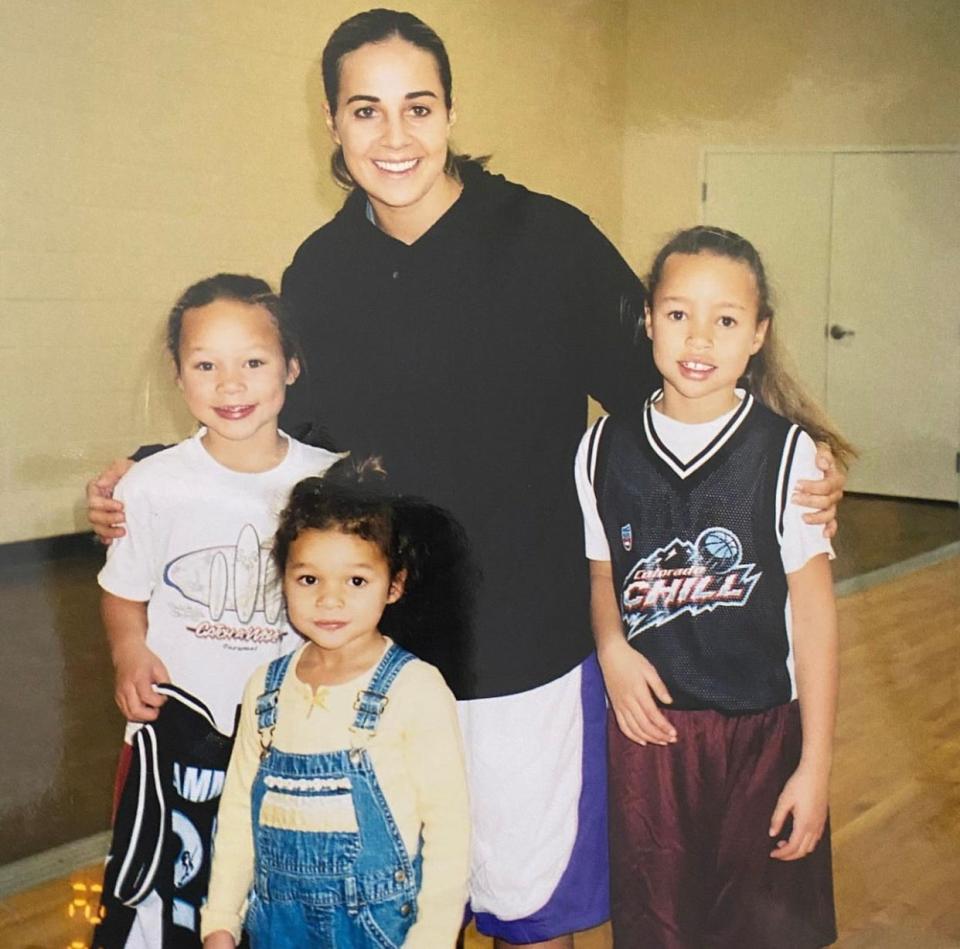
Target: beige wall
148 144
774 73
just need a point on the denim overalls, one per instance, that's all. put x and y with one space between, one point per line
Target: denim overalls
331 869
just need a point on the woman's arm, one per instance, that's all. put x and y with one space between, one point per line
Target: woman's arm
104 512
823 495
805 795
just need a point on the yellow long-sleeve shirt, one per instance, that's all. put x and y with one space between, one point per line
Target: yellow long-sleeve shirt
418 760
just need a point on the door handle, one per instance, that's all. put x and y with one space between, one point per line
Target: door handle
837 331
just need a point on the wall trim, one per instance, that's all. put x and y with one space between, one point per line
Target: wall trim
44 549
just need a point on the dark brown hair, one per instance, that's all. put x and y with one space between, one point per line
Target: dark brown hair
243 289
349 498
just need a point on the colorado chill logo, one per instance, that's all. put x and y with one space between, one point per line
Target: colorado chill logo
687 578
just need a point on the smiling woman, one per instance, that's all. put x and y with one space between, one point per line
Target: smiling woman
391 119
439 299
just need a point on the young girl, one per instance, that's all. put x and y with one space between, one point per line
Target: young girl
344 815
189 597
713 612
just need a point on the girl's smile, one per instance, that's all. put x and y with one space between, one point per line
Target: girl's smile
704 330
234 412
696 370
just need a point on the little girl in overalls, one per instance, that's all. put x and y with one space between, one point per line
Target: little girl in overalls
344 818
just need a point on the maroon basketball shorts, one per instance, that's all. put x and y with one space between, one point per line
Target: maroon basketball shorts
689 842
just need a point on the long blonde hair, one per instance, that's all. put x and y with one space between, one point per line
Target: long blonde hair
767 374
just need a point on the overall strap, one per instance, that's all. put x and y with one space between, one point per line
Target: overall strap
267 700
371 701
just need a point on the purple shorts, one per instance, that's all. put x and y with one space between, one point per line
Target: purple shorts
689 842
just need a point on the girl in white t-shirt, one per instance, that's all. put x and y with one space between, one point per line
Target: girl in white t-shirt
190 596
713 611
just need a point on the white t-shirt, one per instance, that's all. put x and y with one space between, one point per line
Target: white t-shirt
197 550
801 541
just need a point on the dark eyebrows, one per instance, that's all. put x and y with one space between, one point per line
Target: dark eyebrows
722 304
419 94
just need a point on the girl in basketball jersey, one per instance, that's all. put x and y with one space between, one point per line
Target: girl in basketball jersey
714 617
189 598
344 819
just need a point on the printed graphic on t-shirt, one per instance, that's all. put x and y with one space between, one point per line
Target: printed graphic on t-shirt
687 577
224 587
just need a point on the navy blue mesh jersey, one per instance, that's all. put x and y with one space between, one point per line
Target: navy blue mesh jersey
695 552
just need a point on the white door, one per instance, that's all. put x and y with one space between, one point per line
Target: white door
863 252
893 346
781 203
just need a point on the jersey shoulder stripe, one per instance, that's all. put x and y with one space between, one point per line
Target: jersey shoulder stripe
783 476
592 445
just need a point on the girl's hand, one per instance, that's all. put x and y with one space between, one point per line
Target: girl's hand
632 682
824 495
137 669
805 797
103 512
220 939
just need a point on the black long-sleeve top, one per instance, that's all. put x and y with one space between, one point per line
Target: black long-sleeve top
464 361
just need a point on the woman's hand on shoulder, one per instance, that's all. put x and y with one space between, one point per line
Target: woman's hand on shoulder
633 687
823 495
104 513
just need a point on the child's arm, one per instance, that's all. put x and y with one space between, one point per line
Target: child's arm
434 761
805 795
628 676
136 668
631 680
219 940
221 919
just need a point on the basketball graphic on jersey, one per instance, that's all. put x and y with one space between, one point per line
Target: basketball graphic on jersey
718 549
687 577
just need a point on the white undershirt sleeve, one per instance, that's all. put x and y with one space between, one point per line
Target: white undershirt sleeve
594 537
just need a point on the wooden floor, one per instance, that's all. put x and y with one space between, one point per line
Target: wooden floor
896 790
